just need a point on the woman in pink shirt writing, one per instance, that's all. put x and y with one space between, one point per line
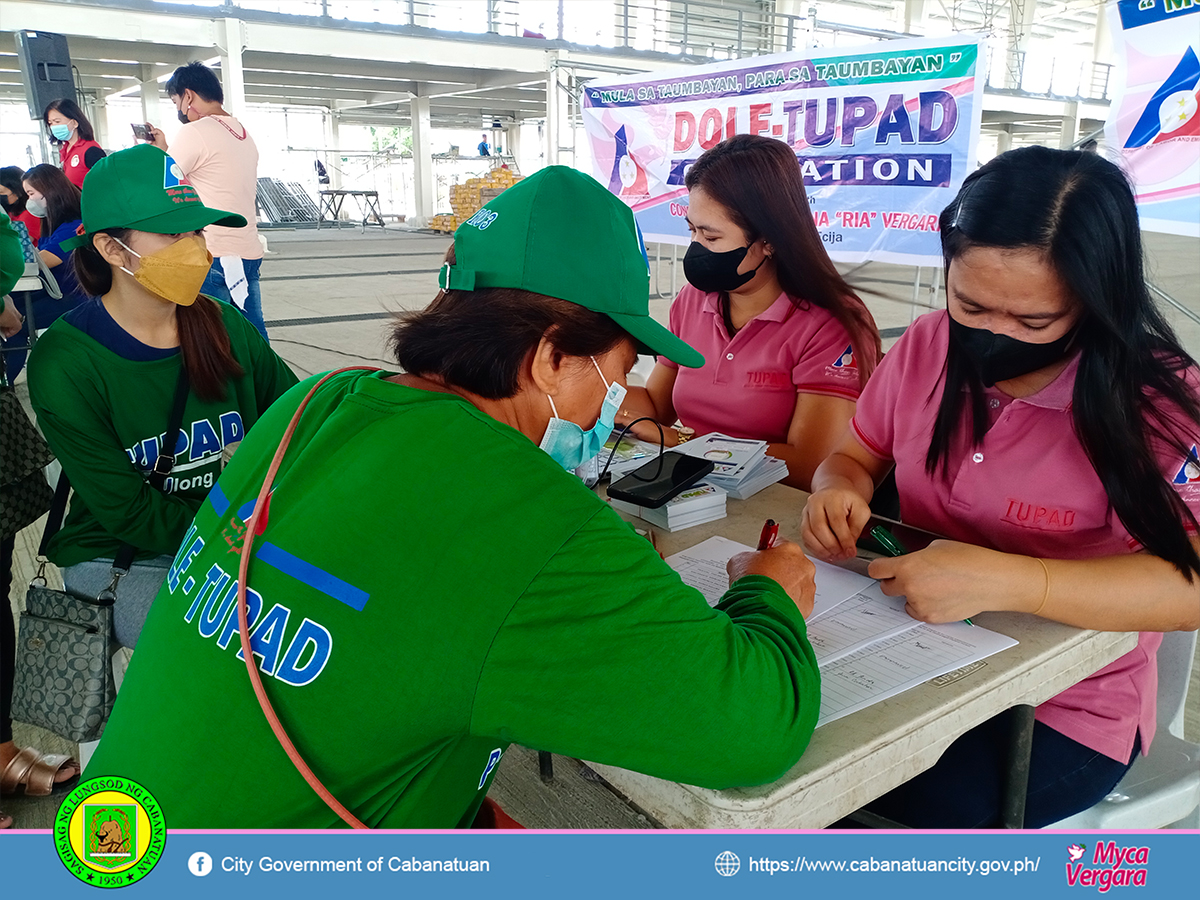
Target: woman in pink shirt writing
787 344
1047 424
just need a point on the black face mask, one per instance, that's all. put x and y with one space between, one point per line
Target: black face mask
183 117
997 357
713 272
6 204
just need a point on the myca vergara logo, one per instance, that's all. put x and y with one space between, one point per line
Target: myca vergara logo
109 832
1110 866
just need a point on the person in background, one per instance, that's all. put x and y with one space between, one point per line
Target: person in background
787 343
484 148
71 130
215 153
103 378
28 769
1046 423
14 199
55 199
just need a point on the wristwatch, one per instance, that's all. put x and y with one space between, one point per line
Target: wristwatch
685 433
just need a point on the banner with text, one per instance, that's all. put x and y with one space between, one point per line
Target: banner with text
884 136
1154 120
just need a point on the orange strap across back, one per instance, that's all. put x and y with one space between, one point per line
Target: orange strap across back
243 614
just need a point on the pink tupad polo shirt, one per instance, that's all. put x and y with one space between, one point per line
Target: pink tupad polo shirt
1029 489
748 385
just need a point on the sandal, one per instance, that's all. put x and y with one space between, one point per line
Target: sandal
34 772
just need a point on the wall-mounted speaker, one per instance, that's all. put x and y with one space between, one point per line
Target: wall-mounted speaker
45 68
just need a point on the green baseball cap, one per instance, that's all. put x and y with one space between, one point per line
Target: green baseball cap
562 234
144 189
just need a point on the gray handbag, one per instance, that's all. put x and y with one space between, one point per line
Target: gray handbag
64 680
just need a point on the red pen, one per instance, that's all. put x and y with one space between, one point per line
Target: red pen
770 531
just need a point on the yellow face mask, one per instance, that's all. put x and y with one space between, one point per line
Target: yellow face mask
176 272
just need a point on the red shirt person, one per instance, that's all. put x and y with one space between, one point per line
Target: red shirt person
71 130
13 200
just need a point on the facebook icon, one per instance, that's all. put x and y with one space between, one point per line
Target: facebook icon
200 864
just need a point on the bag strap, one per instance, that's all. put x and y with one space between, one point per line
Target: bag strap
243 612
165 462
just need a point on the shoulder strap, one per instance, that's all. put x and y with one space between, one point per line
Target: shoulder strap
165 462
58 506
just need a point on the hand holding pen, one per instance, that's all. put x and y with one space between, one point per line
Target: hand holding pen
781 561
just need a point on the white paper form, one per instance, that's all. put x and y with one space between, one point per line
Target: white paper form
889 667
703 567
867 617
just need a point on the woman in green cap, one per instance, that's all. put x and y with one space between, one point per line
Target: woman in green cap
105 377
449 586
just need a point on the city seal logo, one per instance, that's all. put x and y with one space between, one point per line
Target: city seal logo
109 832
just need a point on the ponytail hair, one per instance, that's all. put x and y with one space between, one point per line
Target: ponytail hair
203 339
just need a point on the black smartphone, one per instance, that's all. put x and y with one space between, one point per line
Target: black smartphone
141 133
900 538
656 482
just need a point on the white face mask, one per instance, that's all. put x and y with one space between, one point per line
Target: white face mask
36 207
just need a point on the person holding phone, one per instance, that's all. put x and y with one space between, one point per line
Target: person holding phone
70 129
215 152
1046 422
437 639
788 345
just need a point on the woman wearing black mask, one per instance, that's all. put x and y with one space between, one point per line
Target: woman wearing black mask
787 343
1047 422
13 198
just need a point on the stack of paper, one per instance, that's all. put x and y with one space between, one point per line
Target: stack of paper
695 506
765 472
868 647
742 466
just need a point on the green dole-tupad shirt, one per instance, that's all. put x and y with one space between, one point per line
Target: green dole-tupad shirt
104 417
429 587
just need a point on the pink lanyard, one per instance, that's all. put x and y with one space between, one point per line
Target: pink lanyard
260 506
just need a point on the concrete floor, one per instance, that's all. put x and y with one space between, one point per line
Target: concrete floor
327 297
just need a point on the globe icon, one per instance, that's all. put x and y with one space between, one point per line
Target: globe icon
727 863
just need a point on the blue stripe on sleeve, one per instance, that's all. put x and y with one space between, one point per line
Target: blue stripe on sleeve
307 573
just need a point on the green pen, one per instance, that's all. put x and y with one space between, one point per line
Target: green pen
892 547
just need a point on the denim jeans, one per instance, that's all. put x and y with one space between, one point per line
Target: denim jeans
214 286
135 592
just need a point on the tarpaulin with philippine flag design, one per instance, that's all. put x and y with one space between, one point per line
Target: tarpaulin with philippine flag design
1154 121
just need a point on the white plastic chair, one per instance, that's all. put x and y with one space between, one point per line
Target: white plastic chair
1162 789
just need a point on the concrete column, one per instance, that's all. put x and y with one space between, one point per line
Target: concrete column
513 136
333 143
233 76
553 114
914 16
1021 16
150 92
1070 124
1004 140
99 114
424 186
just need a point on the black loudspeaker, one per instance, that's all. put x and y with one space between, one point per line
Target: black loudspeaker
45 69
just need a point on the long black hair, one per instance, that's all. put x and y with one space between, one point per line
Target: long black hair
758 180
1078 210
10 177
62 197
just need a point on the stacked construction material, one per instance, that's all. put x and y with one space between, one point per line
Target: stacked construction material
468 197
